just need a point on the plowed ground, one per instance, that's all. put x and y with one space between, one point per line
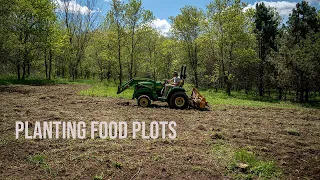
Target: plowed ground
261 129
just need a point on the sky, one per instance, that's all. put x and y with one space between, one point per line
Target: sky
163 9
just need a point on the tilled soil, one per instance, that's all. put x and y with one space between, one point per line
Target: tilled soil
264 130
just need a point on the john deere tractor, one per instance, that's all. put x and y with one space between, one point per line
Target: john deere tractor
147 90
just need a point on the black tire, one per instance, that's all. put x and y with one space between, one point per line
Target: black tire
179 100
144 101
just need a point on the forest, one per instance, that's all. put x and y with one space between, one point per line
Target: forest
225 46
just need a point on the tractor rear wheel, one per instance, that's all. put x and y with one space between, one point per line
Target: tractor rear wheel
144 101
179 100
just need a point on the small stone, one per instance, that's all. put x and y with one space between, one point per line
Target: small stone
243 166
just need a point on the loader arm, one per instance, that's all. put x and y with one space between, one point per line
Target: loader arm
132 82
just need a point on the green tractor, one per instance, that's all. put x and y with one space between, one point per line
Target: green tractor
147 90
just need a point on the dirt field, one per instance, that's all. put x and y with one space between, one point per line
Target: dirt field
187 157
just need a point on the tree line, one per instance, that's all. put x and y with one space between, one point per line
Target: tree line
226 45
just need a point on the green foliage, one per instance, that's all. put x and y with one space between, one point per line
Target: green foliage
156 157
39 160
232 29
36 159
98 177
243 164
117 165
262 169
187 27
244 156
107 89
225 46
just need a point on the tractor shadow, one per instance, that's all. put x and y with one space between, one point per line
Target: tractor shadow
127 103
158 106
133 104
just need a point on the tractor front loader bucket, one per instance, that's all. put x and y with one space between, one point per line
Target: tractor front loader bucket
197 100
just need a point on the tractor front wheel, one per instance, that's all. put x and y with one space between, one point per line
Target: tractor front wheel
144 101
179 100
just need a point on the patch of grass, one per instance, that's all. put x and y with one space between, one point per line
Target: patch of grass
157 157
243 164
241 99
98 177
117 165
293 132
39 160
106 89
266 169
36 159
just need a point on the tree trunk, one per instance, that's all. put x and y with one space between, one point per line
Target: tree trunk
261 72
301 97
196 78
45 63
131 56
18 70
306 95
280 93
50 63
28 68
23 70
195 64
228 88
261 67
119 57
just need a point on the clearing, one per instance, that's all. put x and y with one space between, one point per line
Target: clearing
290 137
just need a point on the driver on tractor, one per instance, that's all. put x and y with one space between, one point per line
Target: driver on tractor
175 81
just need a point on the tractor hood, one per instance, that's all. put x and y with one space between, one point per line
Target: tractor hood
148 84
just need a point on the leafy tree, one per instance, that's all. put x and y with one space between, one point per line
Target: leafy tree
304 27
32 23
78 25
233 33
116 20
266 29
135 17
187 27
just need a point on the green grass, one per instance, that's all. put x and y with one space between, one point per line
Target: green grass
243 164
117 165
255 167
105 89
240 99
98 177
39 160
36 159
